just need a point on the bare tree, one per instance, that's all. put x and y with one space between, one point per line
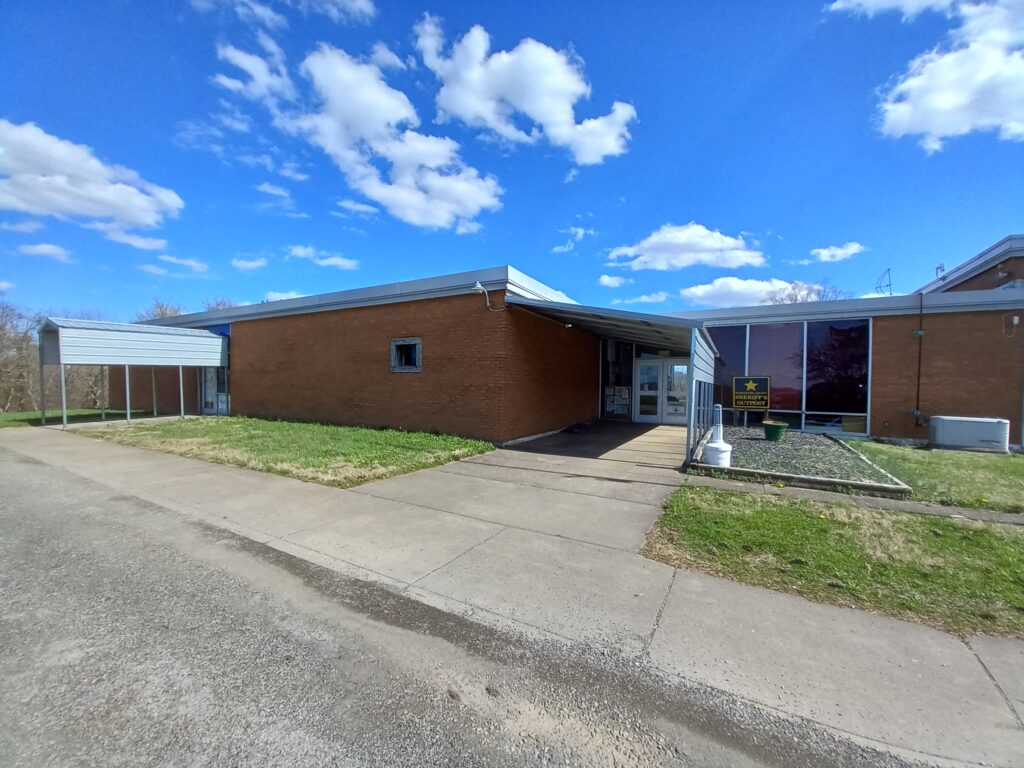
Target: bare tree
798 293
210 305
19 359
157 310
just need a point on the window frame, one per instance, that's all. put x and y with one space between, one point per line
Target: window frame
407 341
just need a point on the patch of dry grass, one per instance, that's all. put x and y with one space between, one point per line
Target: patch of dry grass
320 453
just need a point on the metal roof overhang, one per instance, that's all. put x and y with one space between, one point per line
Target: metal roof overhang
89 342
641 328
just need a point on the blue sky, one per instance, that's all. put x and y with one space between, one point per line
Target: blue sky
659 157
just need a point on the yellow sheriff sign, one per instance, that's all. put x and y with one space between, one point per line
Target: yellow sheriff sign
751 393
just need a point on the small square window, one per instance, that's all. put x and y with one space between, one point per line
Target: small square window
405 356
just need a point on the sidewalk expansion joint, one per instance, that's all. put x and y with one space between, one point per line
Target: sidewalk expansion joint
461 554
995 683
661 610
521 484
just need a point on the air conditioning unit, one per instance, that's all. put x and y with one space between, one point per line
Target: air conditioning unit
969 434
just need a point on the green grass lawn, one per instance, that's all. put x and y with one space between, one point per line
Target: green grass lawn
31 418
957 478
959 575
321 453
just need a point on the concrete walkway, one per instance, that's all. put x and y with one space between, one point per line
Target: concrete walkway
546 543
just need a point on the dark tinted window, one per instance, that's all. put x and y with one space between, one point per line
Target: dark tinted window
837 366
777 350
731 341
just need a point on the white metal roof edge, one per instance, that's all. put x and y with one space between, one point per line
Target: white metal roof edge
678 321
52 323
1005 248
954 301
682 323
492 278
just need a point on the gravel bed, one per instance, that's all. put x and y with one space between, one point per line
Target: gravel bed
798 453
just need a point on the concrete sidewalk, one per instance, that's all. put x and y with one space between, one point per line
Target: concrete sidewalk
547 543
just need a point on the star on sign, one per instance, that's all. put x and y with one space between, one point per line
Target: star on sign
751 385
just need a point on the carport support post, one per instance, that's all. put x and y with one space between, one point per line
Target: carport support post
181 391
63 399
127 395
152 376
42 388
104 373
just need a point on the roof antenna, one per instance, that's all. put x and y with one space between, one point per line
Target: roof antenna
884 283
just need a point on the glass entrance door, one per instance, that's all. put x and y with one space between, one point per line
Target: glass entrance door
661 391
647 406
675 392
213 391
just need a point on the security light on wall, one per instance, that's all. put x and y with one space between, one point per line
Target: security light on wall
478 288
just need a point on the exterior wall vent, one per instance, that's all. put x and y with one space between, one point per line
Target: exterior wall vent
969 434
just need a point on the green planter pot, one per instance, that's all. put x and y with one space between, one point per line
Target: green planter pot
774 430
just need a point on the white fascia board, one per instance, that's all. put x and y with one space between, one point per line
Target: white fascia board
1008 247
493 278
523 285
953 301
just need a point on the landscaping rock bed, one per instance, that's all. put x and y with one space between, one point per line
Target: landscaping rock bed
799 453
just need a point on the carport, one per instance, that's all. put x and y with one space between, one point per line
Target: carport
65 342
660 332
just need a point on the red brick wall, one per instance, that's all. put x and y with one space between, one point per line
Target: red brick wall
983 281
969 368
552 375
142 389
492 375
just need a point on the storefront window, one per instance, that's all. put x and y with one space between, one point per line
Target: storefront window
731 342
837 366
777 350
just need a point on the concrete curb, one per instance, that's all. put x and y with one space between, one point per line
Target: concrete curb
806 481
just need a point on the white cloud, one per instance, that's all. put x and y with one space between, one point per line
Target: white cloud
261 161
153 269
575 235
357 207
675 247
363 121
195 134
837 252
117 234
648 298
193 264
339 10
26 226
909 8
322 258
268 77
291 171
384 58
49 251
974 82
486 90
232 118
271 189
247 265
281 295
733 291
610 281
5 285
260 14
44 175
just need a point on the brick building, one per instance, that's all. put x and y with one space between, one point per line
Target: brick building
497 355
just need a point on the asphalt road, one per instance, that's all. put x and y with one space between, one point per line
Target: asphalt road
130 635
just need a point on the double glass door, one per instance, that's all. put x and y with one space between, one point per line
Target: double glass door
661 391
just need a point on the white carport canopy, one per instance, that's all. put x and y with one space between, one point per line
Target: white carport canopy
657 330
65 341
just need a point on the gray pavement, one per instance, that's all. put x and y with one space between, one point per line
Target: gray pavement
531 542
